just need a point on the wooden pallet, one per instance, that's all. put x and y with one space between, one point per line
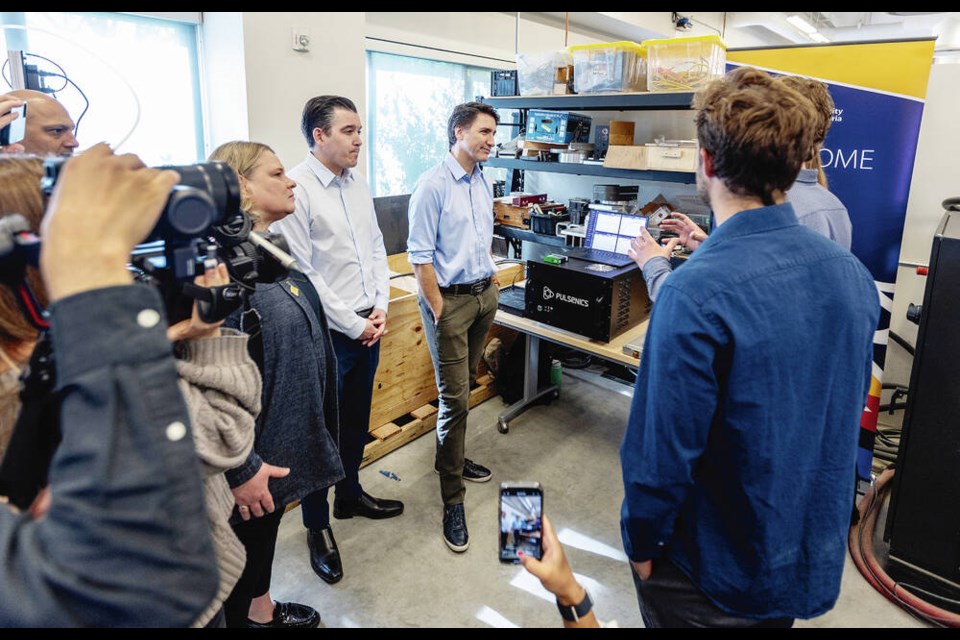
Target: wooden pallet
418 422
411 426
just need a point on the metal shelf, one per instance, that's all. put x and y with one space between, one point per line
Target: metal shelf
597 101
592 170
516 233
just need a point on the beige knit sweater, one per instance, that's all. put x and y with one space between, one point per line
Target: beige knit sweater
9 405
221 385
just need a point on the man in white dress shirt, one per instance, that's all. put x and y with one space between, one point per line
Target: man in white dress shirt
334 235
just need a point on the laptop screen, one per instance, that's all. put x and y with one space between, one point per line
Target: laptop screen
612 230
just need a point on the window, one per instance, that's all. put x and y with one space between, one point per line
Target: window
115 62
409 101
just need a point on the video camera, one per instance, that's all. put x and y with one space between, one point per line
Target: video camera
200 223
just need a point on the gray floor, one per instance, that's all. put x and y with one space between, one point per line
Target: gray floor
399 572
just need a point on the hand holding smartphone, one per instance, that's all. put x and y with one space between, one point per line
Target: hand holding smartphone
16 129
521 520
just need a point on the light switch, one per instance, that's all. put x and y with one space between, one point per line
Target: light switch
301 39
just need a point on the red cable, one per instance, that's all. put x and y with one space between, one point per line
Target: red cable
863 556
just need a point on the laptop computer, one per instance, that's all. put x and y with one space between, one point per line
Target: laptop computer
608 237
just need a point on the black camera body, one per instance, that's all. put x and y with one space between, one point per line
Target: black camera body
201 220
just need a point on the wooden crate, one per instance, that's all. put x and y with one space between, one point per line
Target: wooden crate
510 215
661 158
420 421
405 378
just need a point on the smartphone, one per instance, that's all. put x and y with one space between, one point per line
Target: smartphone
521 520
15 131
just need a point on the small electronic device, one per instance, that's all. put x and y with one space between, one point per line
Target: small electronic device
554 258
521 520
15 131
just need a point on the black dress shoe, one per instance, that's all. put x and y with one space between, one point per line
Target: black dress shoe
291 615
455 528
366 506
324 555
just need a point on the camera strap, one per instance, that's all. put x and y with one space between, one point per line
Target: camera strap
250 325
36 434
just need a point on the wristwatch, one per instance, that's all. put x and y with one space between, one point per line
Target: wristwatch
573 613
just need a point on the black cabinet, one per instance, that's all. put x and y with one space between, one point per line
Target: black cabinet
923 521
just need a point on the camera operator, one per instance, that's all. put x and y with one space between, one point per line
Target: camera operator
19 178
125 541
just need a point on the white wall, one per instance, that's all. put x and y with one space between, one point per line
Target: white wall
276 80
936 177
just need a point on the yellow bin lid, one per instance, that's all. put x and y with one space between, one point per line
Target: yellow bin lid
637 48
711 39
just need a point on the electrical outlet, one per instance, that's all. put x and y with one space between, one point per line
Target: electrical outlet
301 39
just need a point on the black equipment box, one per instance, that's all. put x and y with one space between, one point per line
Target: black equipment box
592 299
503 82
923 523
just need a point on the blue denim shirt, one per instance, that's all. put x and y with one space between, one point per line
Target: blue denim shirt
451 223
739 454
127 541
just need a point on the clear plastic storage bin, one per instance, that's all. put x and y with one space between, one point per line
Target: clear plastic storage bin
537 72
684 64
609 67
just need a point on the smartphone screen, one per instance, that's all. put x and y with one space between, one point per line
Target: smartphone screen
15 131
521 520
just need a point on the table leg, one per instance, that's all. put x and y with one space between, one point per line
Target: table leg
531 375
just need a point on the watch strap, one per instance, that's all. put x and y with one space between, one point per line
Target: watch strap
573 613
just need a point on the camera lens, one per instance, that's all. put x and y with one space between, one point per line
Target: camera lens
207 195
219 181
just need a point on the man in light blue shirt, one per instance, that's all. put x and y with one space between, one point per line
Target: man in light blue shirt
451 230
334 235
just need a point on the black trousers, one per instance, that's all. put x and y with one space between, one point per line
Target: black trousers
259 538
668 599
356 369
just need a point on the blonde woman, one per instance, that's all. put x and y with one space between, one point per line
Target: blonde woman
295 453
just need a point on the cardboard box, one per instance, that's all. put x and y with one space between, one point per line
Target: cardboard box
626 157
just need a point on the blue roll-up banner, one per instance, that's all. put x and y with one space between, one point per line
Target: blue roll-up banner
879 90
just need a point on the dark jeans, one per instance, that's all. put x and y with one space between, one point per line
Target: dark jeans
259 538
669 599
456 344
356 368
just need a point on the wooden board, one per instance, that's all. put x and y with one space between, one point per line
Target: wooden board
417 426
626 157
